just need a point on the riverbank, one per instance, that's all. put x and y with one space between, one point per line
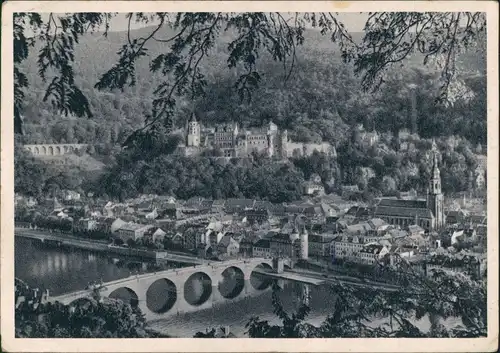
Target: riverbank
159 257
64 239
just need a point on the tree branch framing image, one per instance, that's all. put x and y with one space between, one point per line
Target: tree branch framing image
318 171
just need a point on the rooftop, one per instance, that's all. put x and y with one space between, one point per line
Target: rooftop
403 203
133 226
262 243
403 212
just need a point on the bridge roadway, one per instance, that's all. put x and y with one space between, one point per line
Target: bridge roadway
96 245
210 276
290 276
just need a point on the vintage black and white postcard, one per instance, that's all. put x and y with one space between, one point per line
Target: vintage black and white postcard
249 176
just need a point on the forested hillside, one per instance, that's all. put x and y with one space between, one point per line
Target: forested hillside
320 100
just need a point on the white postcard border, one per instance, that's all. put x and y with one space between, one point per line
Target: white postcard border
11 344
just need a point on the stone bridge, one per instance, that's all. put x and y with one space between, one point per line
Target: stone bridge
55 150
183 290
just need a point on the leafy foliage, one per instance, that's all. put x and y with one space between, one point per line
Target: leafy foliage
439 297
85 319
186 177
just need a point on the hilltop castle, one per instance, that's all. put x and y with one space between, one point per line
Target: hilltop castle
234 142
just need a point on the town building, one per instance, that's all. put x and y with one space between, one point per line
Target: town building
110 225
132 231
256 215
358 248
246 247
313 188
319 245
455 216
193 236
154 234
357 213
283 245
371 254
262 248
228 247
235 206
85 224
345 246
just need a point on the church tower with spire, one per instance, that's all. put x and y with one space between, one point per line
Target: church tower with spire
435 199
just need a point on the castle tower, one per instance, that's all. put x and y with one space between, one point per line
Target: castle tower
435 200
295 234
272 128
193 135
284 144
304 244
270 144
235 134
57 204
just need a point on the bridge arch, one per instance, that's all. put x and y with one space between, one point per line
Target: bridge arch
125 294
161 296
259 281
198 288
54 149
232 282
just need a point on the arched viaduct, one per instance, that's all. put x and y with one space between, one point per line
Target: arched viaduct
183 290
55 149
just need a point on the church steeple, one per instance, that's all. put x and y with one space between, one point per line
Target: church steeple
435 182
435 200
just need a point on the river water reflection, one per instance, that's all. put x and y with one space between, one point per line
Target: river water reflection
64 270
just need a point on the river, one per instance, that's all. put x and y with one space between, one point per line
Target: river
64 270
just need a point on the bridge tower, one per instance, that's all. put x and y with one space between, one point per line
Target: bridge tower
278 264
304 244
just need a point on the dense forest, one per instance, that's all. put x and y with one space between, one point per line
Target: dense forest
322 100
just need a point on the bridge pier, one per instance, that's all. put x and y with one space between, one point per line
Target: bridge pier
216 296
248 289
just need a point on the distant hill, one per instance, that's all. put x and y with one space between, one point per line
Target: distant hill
321 84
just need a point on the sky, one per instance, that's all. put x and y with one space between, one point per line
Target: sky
354 22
